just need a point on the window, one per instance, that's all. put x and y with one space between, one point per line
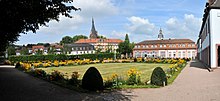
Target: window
155 46
184 54
179 54
161 46
164 45
189 54
189 45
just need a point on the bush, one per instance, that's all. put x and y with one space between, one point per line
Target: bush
39 73
74 79
18 65
158 77
92 80
56 76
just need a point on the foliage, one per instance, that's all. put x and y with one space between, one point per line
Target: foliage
39 73
66 40
125 47
60 57
56 76
158 77
11 50
74 79
21 16
78 37
133 77
92 80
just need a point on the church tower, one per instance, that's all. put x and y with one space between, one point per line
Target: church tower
93 33
160 35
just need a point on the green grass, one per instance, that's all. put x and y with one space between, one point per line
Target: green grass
107 69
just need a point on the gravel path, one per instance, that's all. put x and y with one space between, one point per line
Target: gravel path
194 84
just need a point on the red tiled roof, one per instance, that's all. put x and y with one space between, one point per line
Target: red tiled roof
37 47
99 40
166 41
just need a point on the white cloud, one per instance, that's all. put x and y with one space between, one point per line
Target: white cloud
140 25
65 25
95 8
118 34
187 28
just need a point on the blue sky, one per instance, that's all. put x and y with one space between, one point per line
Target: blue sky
141 19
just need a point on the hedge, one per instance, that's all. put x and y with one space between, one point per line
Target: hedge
33 58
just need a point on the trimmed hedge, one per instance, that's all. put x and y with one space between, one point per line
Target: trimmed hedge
158 77
92 80
33 58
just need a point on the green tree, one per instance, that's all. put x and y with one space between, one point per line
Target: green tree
24 51
125 47
21 16
66 40
102 37
77 37
11 50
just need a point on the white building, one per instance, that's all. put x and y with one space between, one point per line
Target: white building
79 48
165 48
209 36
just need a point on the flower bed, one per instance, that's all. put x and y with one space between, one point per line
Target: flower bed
116 80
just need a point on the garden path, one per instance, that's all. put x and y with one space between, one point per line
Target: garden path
195 83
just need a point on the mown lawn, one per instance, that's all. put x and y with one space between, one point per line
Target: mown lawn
107 69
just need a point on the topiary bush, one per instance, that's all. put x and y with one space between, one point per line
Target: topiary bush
92 80
158 77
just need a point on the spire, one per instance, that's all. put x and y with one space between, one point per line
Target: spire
160 36
93 33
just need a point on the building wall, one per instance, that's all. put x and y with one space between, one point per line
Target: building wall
215 34
187 53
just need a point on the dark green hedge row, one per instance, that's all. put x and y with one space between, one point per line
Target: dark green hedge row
26 58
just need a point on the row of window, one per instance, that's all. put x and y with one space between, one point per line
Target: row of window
165 45
82 48
170 54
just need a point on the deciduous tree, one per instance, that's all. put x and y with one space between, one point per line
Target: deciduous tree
21 16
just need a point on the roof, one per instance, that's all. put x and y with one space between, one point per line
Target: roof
99 40
167 41
38 47
79 45
212 4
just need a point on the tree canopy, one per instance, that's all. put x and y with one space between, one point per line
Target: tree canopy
21 16
68 39
77 37
126 46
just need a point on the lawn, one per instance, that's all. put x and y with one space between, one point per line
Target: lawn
107 69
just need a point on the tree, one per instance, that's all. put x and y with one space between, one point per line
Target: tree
66 40
24 51
77 37
102 37
11 50
21 16
125 47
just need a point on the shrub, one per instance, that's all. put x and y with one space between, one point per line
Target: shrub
18 65
92 80
39 73
158 77
74 79
56 76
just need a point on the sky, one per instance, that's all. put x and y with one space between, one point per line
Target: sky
140 19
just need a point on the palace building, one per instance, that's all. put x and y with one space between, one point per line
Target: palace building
209 39
165 48
100 44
